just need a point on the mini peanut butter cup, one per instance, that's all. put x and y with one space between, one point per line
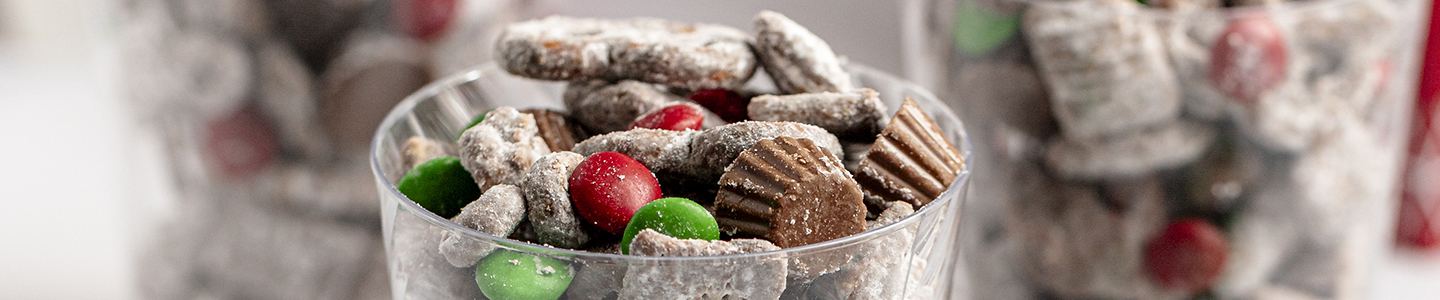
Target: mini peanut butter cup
791 192
556 129
911 161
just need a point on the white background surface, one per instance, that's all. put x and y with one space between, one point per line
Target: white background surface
76 178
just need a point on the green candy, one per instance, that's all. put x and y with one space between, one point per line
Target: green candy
674 216
476 121
979 30
440 185
506 274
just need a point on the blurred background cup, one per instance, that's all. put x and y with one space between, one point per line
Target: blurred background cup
1176 148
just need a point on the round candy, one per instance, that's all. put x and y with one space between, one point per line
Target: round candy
729 105
608 187
510 275
676 217
1188 255
673 117
440 185
1249 58
240 144
475 121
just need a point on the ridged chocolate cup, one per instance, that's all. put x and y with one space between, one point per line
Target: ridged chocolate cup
910 161
556 128
791 192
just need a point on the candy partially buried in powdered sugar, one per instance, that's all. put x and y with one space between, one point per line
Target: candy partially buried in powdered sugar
910 161
497 213
754 278
714 149
1075 247
856 114
500 148
869 276
604 107
692 56
547 196
418 149
795 58
1104 64
1134 154
663 151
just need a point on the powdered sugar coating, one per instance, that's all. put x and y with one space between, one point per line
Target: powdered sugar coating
662 151
418 149
795 58
603 107
721 279
687 55
547 195
500 148
868 275
497 212
712 151
1134 154
856 114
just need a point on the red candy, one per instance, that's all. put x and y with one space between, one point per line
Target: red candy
674 117
608 187
731 106
1188 255
240 144
424 19
1249 58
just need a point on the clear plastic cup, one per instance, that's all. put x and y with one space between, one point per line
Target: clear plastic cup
911 258
1138 152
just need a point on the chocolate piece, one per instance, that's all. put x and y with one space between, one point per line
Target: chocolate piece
418 149
604 107
547 195
693 56
501 148
911 161
1104 65
662 151
795 58
1135 154
497 212
556 129
856 114
791 192
756 278
714 149
373 73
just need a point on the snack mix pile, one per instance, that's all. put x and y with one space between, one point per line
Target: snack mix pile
1176 149
632 168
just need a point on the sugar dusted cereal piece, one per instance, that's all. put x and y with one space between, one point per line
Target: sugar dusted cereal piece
603 107
1286 121
856 114
500 148
1075 247
869 275
717 279
686 55
418 149
1104 65
795 58
663 151
498 212
714 149
547 196
1135 154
